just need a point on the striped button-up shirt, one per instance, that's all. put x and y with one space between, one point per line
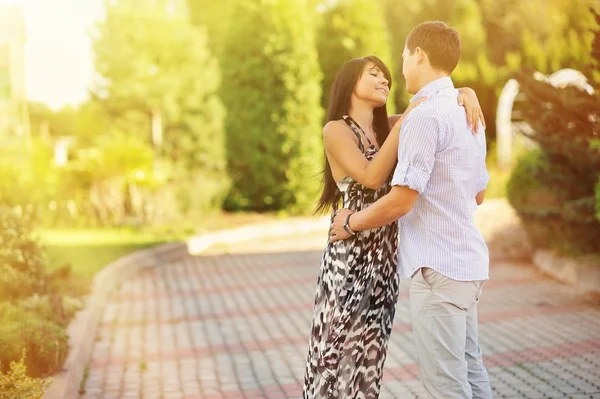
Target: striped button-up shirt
444 162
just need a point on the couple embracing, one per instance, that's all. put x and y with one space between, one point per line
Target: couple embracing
408 187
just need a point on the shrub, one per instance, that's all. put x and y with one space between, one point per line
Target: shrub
598 199
201 192
44 340
553 189
51 307
15 383
556 189
33 315
22 260
549 204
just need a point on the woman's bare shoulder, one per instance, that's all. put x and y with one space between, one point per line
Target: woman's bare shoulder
335 127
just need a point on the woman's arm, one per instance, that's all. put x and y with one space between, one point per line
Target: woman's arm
341 148
466 97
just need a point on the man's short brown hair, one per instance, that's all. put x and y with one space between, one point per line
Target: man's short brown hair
439 41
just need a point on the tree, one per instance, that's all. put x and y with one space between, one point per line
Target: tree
271 88
545 35
350 29
160 81
556 190
215 17
596 65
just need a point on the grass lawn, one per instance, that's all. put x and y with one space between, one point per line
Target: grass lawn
88 250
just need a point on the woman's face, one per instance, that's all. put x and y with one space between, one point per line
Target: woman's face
372 86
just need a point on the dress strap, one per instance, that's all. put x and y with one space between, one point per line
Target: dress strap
354 126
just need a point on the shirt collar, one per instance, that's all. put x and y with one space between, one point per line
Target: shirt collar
433 87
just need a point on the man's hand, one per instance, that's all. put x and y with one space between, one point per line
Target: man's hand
469 100
336 231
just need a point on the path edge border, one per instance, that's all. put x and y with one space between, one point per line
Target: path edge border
580 273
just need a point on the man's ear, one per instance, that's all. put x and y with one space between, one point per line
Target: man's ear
421 55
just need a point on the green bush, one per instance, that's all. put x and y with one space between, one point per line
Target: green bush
271 89
43 339
548 203
33 311
598 199
51 307
22 260
201 192
555 189
28 177
15 383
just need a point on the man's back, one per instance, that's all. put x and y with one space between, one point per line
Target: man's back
445 163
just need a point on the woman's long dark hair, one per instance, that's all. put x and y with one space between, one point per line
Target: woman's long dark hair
339 105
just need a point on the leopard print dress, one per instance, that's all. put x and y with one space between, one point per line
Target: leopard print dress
355 302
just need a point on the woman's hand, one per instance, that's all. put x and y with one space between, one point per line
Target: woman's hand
469 100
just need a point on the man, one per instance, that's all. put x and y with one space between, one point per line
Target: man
438 183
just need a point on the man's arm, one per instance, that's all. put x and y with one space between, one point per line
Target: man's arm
416 158
392 206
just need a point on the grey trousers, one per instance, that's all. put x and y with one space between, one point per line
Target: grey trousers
444 318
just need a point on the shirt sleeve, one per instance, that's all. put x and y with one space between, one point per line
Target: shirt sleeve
416 150
484 176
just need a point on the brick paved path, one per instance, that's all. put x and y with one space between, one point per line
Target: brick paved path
237 325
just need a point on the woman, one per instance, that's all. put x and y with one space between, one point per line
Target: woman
357 287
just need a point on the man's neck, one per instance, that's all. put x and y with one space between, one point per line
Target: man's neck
429 77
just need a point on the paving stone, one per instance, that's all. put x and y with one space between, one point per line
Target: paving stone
236 326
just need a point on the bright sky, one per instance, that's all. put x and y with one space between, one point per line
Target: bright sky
59 60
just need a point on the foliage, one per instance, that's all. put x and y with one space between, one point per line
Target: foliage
551 215
545 35
566 123
102 176
595 64
271 88
15 383
33 310
27 176
44 340
51 307
350 29
598 199
216 18
22 261
158 72
201 192
553 189
498 38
